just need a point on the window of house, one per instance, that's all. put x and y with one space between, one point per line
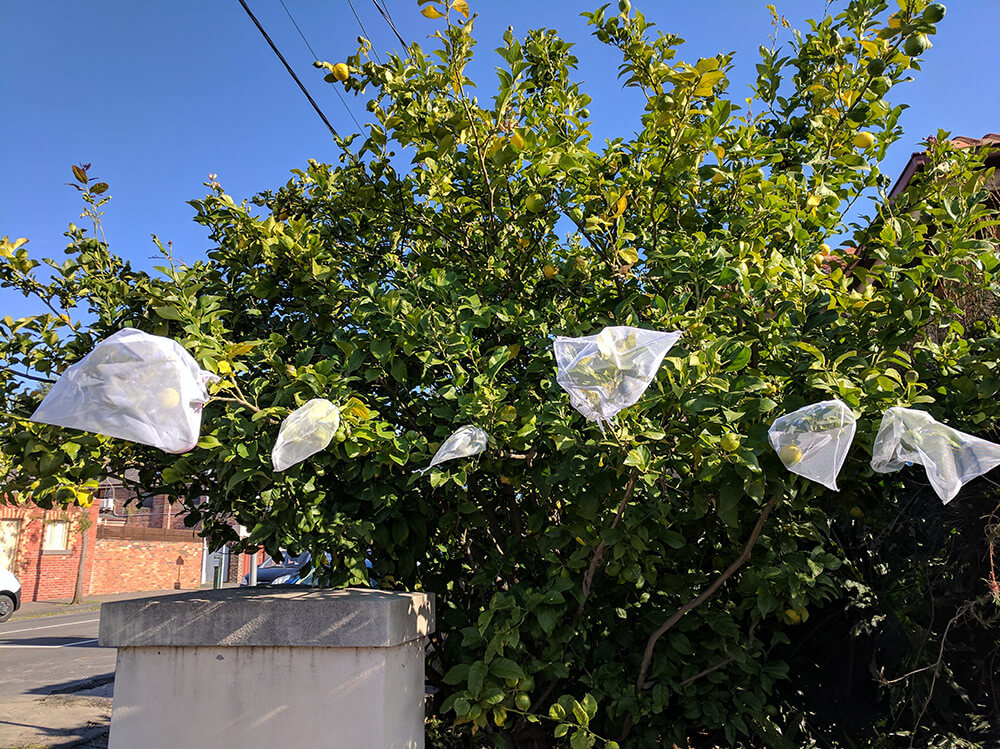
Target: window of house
56 536
107 498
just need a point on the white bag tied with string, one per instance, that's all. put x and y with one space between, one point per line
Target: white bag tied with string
134 386
305 432
813 441
464 442
610 371
951 458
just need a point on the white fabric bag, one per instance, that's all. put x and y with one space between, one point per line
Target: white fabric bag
306 431
607 372
464 442
813 441
134 386
951 458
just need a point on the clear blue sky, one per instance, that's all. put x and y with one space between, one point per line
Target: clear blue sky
156 95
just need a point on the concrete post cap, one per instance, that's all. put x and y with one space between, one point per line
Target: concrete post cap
281 616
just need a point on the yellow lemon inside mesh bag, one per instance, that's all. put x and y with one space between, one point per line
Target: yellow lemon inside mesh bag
169 398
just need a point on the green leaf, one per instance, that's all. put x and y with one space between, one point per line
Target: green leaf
477 673
505 668
168 313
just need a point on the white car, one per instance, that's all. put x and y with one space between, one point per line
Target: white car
10 594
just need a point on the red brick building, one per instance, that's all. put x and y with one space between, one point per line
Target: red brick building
43 547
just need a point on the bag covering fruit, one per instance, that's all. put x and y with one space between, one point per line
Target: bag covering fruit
950 458
464 442
134 386
305 432
610 371
813 441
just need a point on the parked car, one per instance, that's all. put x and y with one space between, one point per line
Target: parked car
272 569
10 594
297 578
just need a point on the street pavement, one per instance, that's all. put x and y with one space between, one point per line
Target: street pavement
55 682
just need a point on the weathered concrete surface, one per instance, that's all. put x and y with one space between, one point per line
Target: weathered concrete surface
234 698
232 669
282 616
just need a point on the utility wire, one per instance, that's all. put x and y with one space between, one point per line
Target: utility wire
364 30
289 69
388 20
316 57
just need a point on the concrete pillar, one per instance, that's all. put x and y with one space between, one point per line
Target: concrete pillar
282 667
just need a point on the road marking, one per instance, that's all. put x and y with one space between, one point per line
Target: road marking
64 645
47 626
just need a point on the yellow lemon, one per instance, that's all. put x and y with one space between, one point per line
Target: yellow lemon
549 271
793 616
864 140
169 398
341 72
857 513
818 259
790 455
505 479
508 413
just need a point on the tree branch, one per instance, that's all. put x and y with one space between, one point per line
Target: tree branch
588 578
27 376
640 682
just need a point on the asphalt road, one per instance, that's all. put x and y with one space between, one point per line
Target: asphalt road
51 654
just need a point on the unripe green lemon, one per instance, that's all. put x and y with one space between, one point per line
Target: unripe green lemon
876 67
522 701
730 442
934 12
916 45
857 513
793 616
535 203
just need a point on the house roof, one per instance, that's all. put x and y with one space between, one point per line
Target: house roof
919 158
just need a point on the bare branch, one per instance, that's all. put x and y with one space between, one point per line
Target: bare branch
640 682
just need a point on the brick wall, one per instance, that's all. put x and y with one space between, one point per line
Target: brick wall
50 574
126 565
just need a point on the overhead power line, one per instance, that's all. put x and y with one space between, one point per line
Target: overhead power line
316 57
364 30
289 69
388 19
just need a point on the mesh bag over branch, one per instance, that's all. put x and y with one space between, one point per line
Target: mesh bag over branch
951 458
610 371
134 386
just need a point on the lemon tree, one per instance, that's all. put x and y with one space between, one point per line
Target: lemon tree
665 582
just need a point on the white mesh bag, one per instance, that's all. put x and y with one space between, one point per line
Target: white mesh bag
951 458
134 386
813 441
465 441
306 431
607 372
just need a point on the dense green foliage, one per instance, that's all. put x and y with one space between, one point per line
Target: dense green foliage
425 298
